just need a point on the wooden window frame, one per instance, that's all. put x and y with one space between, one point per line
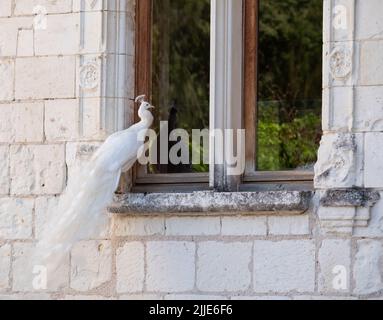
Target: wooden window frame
143 181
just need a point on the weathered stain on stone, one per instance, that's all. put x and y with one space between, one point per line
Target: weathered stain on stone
350 198
279 202
338 161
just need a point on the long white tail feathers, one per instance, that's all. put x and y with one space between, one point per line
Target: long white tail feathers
80 215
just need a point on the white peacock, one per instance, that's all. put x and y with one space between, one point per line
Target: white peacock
81 209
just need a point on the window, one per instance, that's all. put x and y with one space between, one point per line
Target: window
251 64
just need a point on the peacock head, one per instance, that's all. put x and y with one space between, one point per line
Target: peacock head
143 111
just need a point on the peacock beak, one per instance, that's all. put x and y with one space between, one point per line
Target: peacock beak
151 107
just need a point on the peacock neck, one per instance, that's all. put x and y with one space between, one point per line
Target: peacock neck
147 121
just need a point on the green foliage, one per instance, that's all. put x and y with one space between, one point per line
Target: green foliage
290 49
290 82
288 145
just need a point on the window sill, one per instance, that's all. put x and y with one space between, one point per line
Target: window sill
357 197
214 203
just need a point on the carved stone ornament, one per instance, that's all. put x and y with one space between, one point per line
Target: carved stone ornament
347 210
341 63
89 75
336 166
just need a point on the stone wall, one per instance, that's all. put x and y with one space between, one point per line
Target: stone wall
66 76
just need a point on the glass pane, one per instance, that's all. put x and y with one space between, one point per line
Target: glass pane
181 72
290 84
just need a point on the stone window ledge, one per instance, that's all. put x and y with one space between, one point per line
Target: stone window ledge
357 197
214 203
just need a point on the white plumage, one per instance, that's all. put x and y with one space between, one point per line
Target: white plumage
81 209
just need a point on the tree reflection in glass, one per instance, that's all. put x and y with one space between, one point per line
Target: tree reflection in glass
181 70
289 84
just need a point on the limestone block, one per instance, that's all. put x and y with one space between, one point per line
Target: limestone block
299 225
38 169
9 28
371 63
369 24
368 267
130 264
62 120
7 75
91 118
26 7
128 226
45 77
244 226
224 266
22 122
44 207
16 218
91 265
25 46
335 264
5 266
92 24
202 226
5 8
374 160
4 170
25 280
338 109
170 266
284 266
369 109
62 35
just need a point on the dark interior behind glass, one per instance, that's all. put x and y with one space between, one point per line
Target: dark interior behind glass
181 70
